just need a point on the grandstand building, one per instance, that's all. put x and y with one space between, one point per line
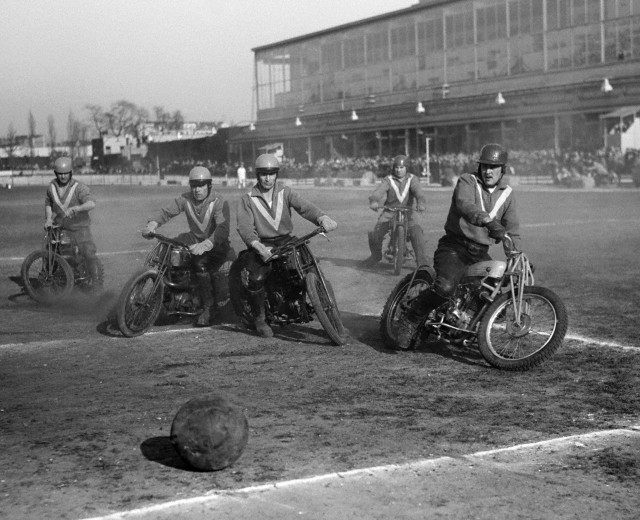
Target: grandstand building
449 76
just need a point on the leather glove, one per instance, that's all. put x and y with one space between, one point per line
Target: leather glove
151 227
263 251
496 230
374 205
420 208
327 223
201 247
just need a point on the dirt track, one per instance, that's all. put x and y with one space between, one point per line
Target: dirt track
85 414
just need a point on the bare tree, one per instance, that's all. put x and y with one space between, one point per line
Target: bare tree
169 121
125 117
99 119
73 130
32 132
51 129
11 144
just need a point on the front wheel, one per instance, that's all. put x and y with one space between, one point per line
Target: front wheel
510 344
325 306
140 303
45 277
399 247
401 296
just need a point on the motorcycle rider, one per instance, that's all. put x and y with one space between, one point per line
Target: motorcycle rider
208 237
264 222
397 190
67 204
483 210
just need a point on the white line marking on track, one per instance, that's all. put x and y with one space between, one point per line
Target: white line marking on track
382 471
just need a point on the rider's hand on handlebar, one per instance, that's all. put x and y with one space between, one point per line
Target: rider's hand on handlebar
374 205
496 230
263 251
48 224
327 223
149 230
201 247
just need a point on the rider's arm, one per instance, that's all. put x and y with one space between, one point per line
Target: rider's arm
511 221
167 213
465 197
221 218
246 221
305 208
416 190
86 201
379 195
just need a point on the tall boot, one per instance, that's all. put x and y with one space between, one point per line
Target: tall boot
419 244
256 300
410 320
94 266
375 246
206 295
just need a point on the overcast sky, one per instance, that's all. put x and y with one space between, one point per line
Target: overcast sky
194 56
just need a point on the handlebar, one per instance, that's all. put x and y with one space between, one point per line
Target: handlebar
163 238
397 209
279 251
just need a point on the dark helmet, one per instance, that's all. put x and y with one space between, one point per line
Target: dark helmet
63 165
267 164
493 154
399 161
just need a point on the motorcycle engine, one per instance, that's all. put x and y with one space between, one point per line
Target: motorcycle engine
465 307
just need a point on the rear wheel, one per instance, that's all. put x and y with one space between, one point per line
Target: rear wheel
403 293
511 345
140 303
399 247
46 278
325 307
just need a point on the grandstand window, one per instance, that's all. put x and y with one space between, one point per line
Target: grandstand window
459 29
492 60
311 59
430 38
620 8
491 22
403 41
377 46
331 53
593 11
378 79
354 52
635 37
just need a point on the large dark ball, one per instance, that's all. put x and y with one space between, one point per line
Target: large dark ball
210 432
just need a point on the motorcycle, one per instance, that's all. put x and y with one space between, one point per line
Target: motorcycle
295 276
51 273
396 250
165 287
515 324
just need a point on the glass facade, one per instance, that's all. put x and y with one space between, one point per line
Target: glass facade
453 43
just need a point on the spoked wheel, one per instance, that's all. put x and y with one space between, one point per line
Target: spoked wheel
399 247
140 303
403 293
512 344
325 307
46 277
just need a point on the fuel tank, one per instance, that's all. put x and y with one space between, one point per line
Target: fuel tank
491 268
